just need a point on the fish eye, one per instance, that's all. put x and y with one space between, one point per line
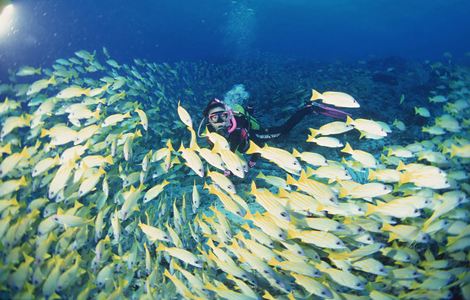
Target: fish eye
338 243
283 214
265 272
278 281
369 239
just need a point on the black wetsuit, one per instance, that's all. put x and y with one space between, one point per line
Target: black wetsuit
239 139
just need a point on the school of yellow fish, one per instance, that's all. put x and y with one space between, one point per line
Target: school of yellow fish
106 195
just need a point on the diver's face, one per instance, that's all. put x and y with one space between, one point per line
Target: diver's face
218 118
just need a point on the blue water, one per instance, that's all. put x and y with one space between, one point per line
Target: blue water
223 30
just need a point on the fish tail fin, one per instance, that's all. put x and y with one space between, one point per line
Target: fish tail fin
453 150
314 132
401 166
404 178
370 209
96 114
109 159
181 148
372 175
253 187
343 192
160 247
7 149
349 120
283 193
386 227
253 148
347 148
169 145
52 80
295 153
44 132
291 233
24 153
315 95
290 179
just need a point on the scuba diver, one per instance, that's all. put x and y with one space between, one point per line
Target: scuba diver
239 127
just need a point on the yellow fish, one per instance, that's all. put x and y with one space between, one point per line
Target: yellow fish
273 205
10 186
28 71
339 99
312 158
365 191
90 182
72 92
331 172
114 119
143 118
184 116
365 158
10 162
181 254
422 111
312 286
155 191
228 202
318 238
59 134
336 127
60 178
5 149
366 126
193 161
45 165
280 157
12 123
154 234
233 162
320 191
325 141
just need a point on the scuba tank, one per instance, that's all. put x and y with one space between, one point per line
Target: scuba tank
247 113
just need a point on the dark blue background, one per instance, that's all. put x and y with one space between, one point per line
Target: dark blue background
215 30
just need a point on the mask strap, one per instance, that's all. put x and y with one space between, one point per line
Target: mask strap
199 128
234 122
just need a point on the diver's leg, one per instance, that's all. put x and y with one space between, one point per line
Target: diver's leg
277 131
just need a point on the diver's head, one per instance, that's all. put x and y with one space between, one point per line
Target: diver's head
218 115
